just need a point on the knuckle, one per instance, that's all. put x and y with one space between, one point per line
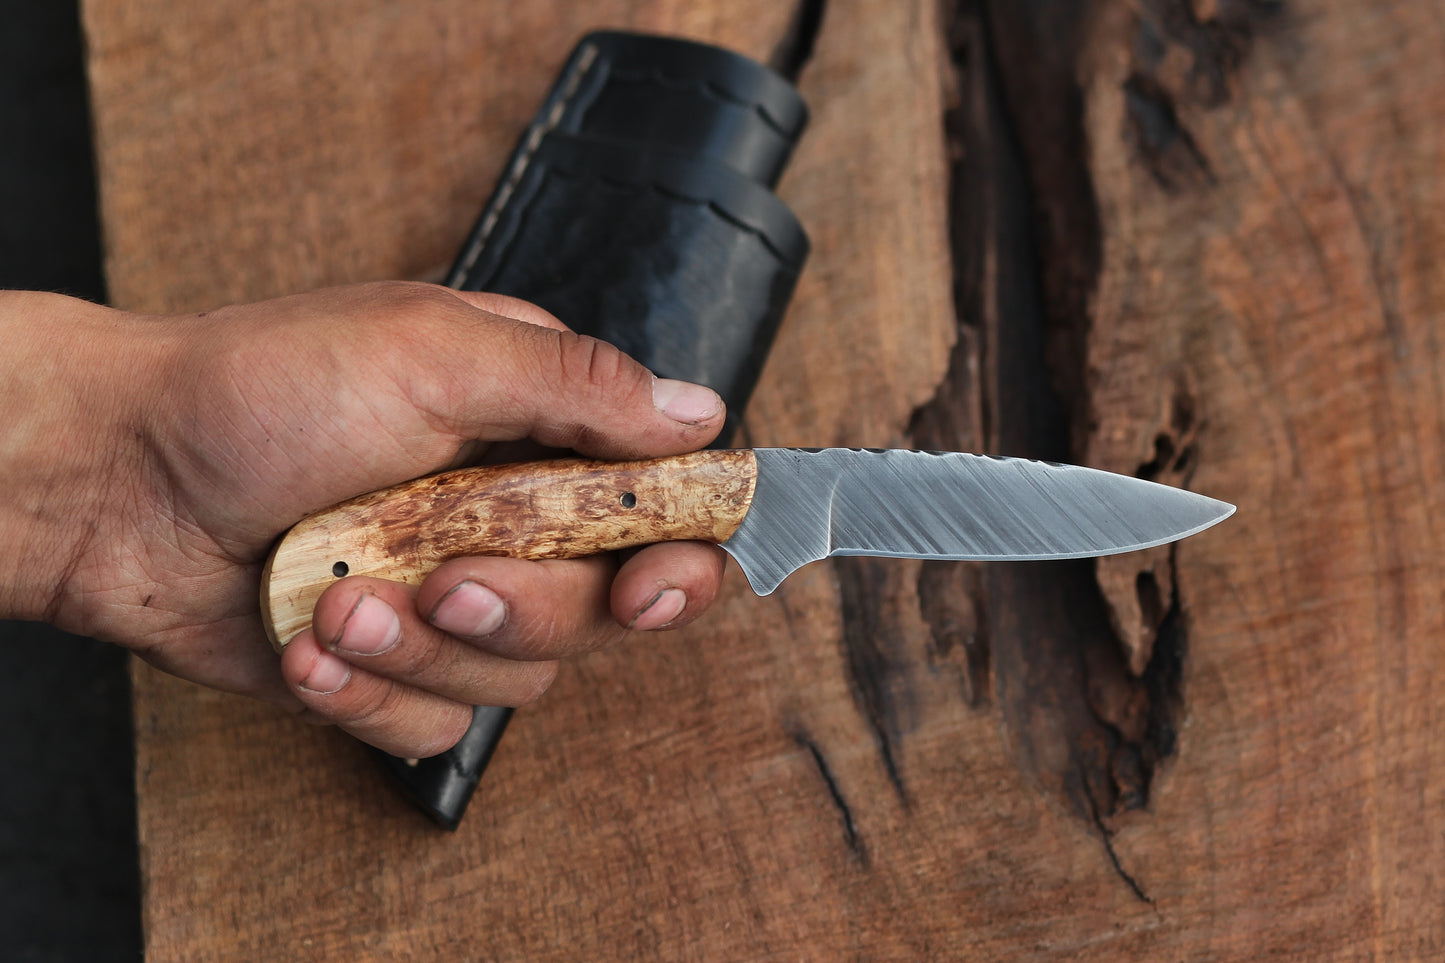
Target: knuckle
369 707
403 295
410 311
600 366
559 641
442 736
535 683
420 657
587 360
586 394
539 639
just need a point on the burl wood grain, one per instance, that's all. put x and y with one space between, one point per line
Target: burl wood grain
1197 241
567 508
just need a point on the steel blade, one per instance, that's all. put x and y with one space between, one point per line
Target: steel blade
814 503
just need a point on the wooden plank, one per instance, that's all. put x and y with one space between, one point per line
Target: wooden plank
645 805
1233 224
1293 328
1188 240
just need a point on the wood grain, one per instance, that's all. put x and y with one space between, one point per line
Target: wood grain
566 508
293 145
1194 241
1298 372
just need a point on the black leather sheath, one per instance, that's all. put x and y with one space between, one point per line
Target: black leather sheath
638 208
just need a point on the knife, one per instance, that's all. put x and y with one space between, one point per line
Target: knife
773 510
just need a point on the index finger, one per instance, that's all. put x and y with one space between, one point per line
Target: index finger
514 308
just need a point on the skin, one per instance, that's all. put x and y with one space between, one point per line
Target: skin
158 458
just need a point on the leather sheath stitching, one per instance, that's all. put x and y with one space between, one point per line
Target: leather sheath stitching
536 133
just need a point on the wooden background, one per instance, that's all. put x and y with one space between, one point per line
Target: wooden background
1197 240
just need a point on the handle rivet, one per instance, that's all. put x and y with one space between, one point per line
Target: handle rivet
629 500
340 569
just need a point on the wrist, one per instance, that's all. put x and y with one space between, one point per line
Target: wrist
68 382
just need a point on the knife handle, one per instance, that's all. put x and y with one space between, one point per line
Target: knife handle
567 508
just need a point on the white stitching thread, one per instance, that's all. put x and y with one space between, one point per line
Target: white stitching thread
535 134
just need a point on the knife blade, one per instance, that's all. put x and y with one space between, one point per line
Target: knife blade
772 509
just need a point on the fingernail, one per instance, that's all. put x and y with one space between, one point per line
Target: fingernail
470 610
370 629
327 675
665 606
684 401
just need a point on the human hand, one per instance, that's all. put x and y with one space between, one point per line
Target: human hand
159 459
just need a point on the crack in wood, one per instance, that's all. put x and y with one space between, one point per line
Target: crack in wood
1163 678
851 835
1087 724
1106 837
1217 36
950 600
1175 450
1185 52
1164 146
873 651
1027 245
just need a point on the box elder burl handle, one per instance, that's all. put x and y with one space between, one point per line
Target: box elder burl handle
568 508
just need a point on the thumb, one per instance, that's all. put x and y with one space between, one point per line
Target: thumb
566 390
